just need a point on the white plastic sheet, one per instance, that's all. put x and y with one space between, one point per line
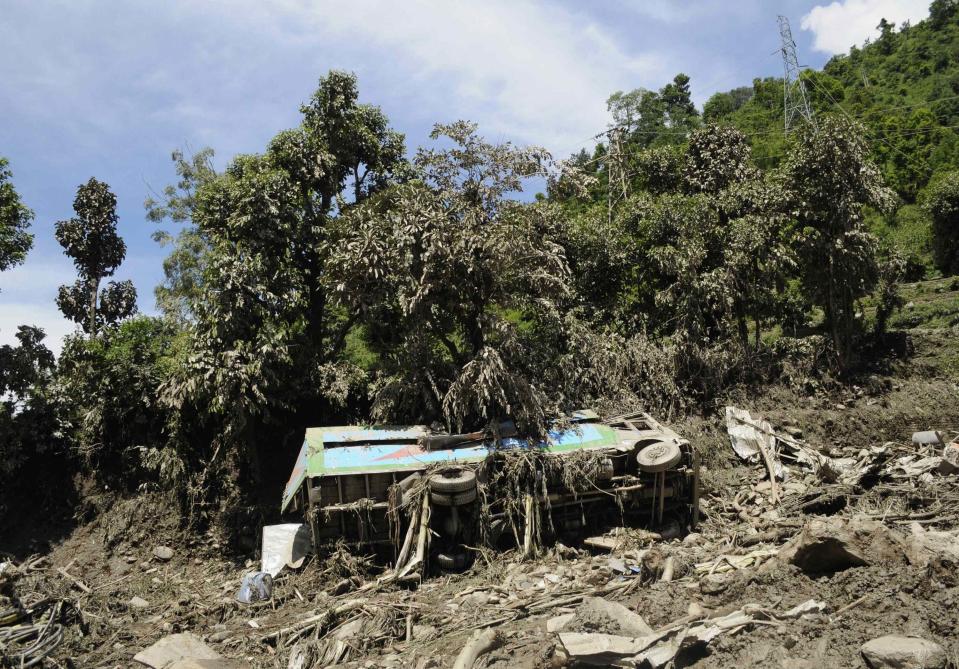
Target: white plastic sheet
285 545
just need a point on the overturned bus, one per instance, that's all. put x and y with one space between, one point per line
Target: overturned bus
365 485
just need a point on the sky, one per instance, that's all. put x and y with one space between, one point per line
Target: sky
110 89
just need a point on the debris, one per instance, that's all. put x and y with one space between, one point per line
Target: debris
928 437
834 544
76 581
163 553
285 545
173 648
255 587
596 613
726 563
661 647
603 650
903 652
193 663
481 642
559 623
950 459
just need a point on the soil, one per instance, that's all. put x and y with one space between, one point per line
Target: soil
113 556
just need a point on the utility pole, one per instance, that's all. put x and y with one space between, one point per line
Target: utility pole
795 99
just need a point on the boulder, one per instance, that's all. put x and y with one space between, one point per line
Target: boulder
903 652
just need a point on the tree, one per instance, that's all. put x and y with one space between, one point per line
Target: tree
942 205
91 240
183 268
942 11
15 241
450 275
29 426
267 343
109 389
828 180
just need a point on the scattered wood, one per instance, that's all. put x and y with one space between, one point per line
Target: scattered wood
76 581
482 641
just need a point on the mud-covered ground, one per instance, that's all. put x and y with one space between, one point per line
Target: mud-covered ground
103 565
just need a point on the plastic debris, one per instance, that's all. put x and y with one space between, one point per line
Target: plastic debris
255 587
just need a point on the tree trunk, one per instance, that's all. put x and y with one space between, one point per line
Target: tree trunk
92 316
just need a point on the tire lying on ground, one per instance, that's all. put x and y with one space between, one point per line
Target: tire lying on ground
457 480
453 499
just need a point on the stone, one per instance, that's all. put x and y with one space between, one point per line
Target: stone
173 648
138 603
163 553
713 584
423 632
559 623
903 652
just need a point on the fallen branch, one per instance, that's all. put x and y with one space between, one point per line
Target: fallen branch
76 581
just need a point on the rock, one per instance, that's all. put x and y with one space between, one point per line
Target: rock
903 652
559 623
713 584
423 632
191 663
163 553
173 648
138 603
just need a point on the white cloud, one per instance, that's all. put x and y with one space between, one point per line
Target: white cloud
840 25
46 317
523 69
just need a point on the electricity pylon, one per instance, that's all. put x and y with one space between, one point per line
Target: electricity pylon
795 99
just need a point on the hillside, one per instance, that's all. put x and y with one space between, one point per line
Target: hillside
902 86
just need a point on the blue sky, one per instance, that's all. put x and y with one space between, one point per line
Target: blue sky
109 89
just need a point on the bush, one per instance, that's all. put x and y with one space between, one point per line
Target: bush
942 204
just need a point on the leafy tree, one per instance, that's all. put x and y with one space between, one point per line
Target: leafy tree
266 341
942 11
450 275
183 268
91 240
942 205
110 409
723 104
15 241
828 180
29 428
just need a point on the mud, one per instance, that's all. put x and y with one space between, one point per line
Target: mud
112 556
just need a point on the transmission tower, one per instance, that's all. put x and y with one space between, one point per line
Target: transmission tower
795 100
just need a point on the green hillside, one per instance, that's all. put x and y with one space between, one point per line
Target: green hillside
903 87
